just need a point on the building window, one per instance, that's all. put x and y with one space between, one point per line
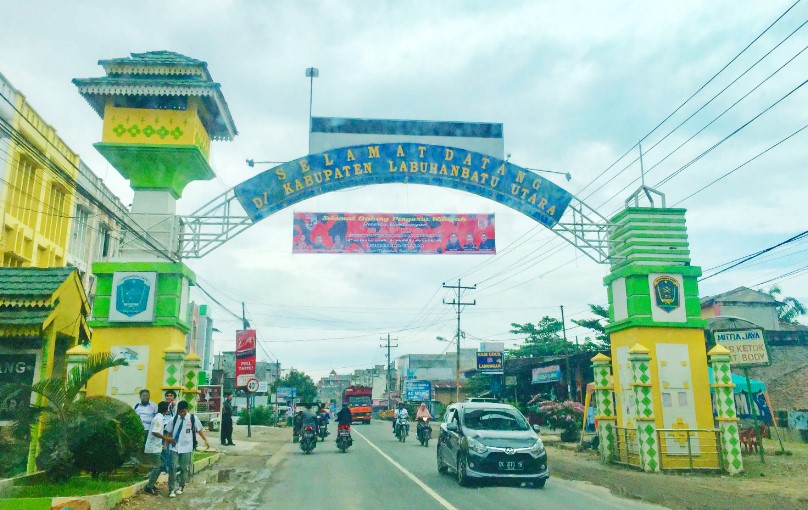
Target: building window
103 242
78 243
24 193
54 218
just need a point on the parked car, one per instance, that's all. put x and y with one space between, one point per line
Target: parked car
482 440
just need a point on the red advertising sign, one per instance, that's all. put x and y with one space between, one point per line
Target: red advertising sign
394 233
245 356
210 399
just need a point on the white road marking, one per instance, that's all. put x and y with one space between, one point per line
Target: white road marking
437 497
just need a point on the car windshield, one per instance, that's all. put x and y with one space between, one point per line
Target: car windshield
494 419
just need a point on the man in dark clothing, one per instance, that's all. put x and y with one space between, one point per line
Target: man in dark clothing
227 421
344 416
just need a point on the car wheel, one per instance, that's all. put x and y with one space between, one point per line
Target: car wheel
442 468
462 474
539 484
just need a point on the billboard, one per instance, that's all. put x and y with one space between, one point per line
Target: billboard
245 356
418 390
285 393
394 233
747 347
489 362
546 374
16 369
210 399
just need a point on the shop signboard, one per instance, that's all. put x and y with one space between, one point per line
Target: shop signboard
489 362
546 374
16 368
416 390
245 356
747 347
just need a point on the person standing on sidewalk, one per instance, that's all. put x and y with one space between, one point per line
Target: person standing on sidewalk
154 447
227 420
146 411
183 430
171 412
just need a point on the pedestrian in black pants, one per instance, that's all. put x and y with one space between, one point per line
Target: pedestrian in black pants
227 421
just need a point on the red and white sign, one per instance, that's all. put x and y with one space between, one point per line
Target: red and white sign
245 356
252 385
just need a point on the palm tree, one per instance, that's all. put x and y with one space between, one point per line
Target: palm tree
789 308
57 392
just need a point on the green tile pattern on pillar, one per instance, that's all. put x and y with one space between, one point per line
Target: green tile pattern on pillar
605 406
642 384
725 411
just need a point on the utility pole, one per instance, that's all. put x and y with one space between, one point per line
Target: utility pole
567 355
246 324
311 74
457 304
388 386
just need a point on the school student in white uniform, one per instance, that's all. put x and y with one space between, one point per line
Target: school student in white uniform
182 429
154 446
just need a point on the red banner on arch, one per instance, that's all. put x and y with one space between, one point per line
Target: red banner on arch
469 234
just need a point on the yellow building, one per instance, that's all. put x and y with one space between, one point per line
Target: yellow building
37 186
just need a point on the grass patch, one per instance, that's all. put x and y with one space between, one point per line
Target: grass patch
203 455
79 486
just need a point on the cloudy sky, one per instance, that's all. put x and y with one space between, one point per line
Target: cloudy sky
576 85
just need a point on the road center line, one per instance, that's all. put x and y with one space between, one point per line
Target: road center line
437 497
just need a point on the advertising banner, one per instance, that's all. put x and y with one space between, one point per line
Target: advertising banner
285 393
394 233
747 347
413 163
489 362
547 374
417 390
210 399
245 356
16 368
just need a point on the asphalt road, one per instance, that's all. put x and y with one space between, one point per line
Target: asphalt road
380 472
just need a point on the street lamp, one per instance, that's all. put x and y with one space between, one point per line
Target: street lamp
311 74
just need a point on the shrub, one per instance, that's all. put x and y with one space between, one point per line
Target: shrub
13 454
259 415
97 435
566 416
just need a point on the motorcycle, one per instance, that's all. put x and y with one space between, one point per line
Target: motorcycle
344 440
322 430
308 439
424 431
402 429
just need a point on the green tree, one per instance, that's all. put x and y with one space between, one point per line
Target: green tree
306 390
542 339
598 325
58 392
478 385
789 308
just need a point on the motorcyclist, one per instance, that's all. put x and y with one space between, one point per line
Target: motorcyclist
324 417
307 418
344 416
401 412
422 412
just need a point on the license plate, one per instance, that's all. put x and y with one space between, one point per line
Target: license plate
511 466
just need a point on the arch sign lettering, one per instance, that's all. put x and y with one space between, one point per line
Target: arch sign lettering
360 165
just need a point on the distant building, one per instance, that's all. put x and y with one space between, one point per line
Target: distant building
787 343
331 387
200 338
224 371
435 367
375 378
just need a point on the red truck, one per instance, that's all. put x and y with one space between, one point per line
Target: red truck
358 400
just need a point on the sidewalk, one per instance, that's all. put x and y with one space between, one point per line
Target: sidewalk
240 476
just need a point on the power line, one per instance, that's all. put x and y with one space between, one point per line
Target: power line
692 95
747 258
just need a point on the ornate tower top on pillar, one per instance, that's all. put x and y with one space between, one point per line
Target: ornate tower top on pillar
160 111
